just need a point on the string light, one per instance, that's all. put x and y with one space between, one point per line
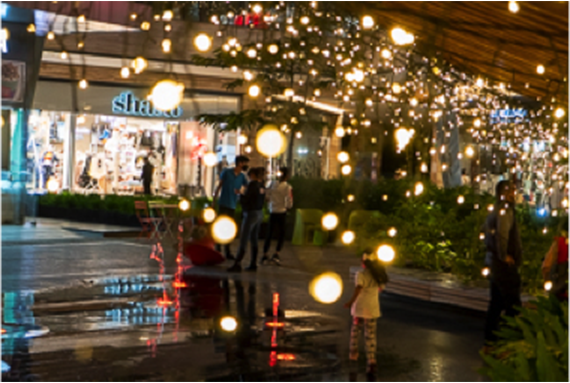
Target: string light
339 132
270 141
139 64
167 94
202 42
273 49
210 159
166 45
513 7
63 55
343 157
125 72
224 230
31 28
392 232
418 188
254 91
81 19
346 169
469 151
145 26
326 288
209 215
83 84
401 37
540 69
559 113
50 35
228 324
184 205
329 221
347 237
386 253
167 15
367 22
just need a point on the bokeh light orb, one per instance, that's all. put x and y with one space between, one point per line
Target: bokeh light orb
346 170
210 159
485 272
418 189
326 288
202 42
228 324
547 285
392 232
270 141
343 157
184 205
209 215
386 253
329 221
167 94
460 199
224 230
52 185
348 237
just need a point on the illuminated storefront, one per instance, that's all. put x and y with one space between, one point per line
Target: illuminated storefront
102 149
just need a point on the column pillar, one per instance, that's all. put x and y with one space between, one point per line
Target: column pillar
69 152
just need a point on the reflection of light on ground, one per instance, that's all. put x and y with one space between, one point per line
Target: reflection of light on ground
301 314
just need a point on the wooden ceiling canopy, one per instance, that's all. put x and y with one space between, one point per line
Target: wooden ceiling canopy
485 39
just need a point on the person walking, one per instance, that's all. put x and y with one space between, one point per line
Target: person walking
504 255
280 197
365 307
146 176
252 205
231 182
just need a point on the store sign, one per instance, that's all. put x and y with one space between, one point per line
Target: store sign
505 114
127 103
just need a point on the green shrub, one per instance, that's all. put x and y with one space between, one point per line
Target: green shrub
532 346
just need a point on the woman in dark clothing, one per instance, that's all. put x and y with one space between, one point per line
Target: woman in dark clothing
252 206
146 176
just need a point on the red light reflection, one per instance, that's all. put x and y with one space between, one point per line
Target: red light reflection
285 357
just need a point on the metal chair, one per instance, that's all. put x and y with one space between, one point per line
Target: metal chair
148 223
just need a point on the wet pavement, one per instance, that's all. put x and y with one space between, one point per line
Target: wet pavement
92 309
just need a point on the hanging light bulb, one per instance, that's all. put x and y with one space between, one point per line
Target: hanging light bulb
513 7
392 232
559 113
64 55
210 159
396 88
346 169
386 253
167 15
540 69
184 205
403 137
81 19
424 167
289 92
125 72
350 198
167 95
347 237
326 288
367 22
401 37
83 84
386 53
50 35
477 123
209 215
460 200
203 42
343 157
139 64
166 45
469 151
273 49
31 28
145 26
339 132
251 53
305 20
254 91
224 230
257 8
414 102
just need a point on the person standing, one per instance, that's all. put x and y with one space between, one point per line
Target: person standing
252 204
146 176
365 307
504 254
280 198
231 182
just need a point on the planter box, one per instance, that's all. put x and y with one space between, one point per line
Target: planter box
89 216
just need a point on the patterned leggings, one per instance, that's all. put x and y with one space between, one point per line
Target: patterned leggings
369 338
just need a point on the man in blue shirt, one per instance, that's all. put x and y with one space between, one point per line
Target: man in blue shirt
231 182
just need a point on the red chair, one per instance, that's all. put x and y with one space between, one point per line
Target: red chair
148 224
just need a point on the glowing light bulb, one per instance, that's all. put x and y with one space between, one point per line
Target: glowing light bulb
418 188
166 45
392 232
343 157
424 167
414 102
386 253
50 35
257 8
347 237
184 205
339 132
479 82
209 215
242 139
326 288
329 221
145 26
210 159
81 18
540 69
403 137
167 94
559 113
224 230
254 91
31 28
469 151
386 53
477 123
125 72
396 88
273 49
83 84
401 37
228 324
358 75
367 22
64 55
139 64
460 199
513 7
547 285
167 15
289 92
305 20
485 271
384 197
270 141
350 198
203 42
251 53
52 185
